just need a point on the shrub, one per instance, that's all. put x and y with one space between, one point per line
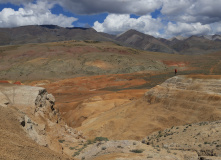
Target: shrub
137 150
89 142
61 141
75 154
71 148
101 139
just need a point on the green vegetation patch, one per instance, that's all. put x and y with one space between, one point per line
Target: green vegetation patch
61 141
137 150
101 139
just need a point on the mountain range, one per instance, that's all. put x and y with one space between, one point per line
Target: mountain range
131 38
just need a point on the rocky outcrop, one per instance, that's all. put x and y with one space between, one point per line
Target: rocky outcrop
187 92
37 115
202 138
27 98
32 103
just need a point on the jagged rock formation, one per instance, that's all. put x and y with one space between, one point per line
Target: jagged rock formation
35 100
36 114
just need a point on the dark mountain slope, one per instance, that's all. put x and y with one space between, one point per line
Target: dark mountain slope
142 41
196 45
47 33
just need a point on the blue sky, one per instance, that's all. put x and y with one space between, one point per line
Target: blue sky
159 18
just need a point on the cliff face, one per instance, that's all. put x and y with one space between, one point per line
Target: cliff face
189 93
33 109
34 100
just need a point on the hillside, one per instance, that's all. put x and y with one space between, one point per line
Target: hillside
202 138
69 59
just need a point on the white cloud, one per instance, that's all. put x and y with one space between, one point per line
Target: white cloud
33 14
179 17
192 11
216 28
175 7
116 24
186 29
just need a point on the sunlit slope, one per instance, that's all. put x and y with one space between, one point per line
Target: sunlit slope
178 101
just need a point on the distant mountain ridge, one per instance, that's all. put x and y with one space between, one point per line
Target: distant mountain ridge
132 38
47 33
142 41
192 45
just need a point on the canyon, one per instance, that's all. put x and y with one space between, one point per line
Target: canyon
100 100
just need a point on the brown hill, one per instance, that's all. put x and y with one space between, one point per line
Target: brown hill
68 59
60 60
